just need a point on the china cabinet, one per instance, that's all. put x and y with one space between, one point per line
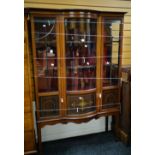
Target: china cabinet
77 61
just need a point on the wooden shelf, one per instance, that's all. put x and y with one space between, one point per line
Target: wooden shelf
48 93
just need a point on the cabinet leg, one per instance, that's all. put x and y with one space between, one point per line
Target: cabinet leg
39 142
116 125
106 123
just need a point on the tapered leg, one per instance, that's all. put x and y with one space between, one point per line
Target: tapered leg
39 142
116 125
106 123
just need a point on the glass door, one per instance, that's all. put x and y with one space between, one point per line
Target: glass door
111 52
111 61
80 55
46 66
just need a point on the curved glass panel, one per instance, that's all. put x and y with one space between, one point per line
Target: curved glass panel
80 104
80 37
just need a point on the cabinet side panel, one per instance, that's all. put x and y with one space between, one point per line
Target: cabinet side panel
29 137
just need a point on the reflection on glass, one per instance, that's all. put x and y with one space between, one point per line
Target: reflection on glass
111 52
46 54
49 106
80 36
81 104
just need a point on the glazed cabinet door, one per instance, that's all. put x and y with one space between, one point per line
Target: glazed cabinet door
80 44
45 42
112 42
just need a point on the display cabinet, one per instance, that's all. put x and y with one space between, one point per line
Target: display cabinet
77 60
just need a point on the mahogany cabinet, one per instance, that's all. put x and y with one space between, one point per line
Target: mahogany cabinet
77 61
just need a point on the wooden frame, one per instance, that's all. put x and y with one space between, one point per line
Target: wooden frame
29 135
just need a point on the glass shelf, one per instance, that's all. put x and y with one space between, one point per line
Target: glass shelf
80 42
48 42
80 67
